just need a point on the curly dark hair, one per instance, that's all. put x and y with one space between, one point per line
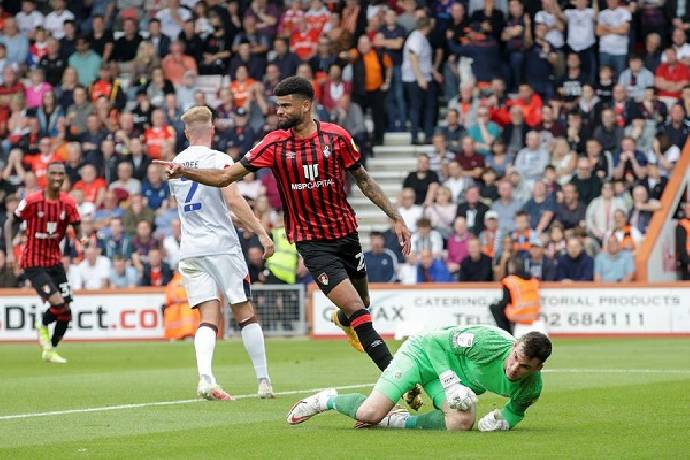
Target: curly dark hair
295 85
537 345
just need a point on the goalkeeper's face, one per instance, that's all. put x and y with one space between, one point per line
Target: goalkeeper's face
518 366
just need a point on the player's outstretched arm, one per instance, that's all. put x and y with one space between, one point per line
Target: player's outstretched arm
211 177
371 190
247 217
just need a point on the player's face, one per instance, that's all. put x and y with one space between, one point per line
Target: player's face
56 176
518 366
292 110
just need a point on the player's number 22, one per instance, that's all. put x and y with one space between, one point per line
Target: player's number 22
188 205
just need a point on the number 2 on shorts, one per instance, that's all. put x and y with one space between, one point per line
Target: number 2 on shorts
190 207
360 262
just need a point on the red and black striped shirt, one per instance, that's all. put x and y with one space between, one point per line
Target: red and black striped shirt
46 222
311 174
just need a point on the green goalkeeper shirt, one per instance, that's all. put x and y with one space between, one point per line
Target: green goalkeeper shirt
477 355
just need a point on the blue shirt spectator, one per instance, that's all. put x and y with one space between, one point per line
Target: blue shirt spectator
154 189
575 265
123 276
430 269
381 262
613 264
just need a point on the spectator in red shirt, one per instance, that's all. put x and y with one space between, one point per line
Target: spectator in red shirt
671 77
158 135
303 40
469 160
334 88
530 103
39 163
92 187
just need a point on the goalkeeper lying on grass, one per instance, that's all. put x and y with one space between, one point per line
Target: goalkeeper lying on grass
453 365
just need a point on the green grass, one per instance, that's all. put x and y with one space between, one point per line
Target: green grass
591 412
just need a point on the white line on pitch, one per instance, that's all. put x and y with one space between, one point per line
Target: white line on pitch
165 403
314 390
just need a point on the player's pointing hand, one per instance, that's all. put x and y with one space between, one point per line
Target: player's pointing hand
267 243
403 233
172 170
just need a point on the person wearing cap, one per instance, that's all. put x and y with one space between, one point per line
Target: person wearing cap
538 264
521 301
490 238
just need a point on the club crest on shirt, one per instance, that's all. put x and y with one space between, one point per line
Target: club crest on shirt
290 155
40 214
323 279
326 152
464 340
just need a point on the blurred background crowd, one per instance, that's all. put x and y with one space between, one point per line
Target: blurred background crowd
552 126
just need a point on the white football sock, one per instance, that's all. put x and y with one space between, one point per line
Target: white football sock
253 339
204 344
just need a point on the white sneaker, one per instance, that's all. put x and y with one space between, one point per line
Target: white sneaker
208 389
265 390
310 406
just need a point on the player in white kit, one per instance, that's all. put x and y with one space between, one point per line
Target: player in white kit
211 260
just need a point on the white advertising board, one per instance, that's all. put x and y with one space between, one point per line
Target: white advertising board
94 317
566 310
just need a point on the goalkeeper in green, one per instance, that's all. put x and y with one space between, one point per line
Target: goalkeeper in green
453 365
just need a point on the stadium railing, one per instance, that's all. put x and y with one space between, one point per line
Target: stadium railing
656 258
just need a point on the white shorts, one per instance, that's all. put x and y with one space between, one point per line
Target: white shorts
205 278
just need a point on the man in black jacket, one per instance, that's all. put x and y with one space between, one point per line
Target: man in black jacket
476 266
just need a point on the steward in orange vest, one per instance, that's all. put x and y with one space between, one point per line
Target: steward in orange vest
521 301
179 320
683 247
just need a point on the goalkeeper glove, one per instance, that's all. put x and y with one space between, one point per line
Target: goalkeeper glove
493 421
459 396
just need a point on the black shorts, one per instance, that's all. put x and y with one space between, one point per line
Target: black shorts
331 261
48 281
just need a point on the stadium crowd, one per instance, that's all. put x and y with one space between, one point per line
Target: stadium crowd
554 125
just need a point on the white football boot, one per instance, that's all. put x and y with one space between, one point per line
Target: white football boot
310 406
265 390
208 389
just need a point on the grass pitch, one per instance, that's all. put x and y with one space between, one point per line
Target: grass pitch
601 399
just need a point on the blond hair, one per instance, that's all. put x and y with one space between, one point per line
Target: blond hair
196 116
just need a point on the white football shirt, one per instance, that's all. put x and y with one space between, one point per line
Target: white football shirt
207 228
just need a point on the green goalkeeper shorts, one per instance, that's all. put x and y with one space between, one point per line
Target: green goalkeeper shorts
402 374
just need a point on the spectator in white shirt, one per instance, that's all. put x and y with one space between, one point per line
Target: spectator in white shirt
409 211
55 20
548 16
614 31
173 18
581 37
531 160
94 270
425 238
28 18
417 76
